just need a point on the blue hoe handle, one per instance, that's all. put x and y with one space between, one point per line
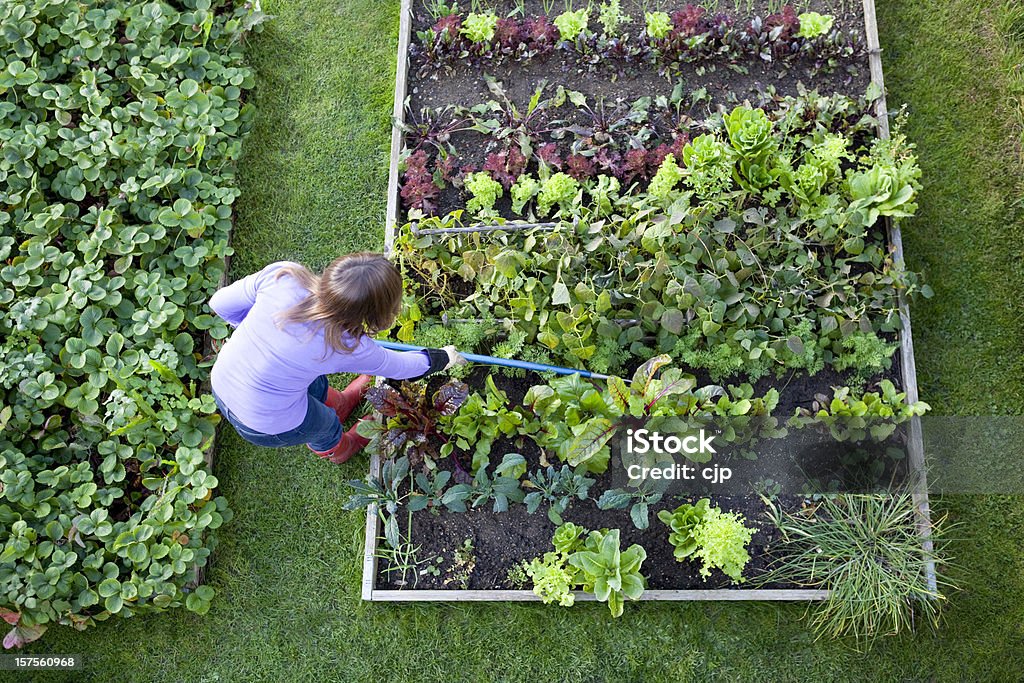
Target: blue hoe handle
504 362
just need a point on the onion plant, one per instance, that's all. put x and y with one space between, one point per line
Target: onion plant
868 552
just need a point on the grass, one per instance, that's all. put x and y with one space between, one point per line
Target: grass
287 568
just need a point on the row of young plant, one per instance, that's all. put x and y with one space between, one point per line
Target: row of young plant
563 131
605 34
757 254
574 420
121 126
821 547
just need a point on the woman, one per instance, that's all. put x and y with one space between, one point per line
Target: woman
293 328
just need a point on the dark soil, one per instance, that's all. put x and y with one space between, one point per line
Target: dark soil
500 542
725 84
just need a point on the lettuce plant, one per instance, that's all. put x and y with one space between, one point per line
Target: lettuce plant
578 419
690 21
665 180
592 561
611 17
683 523
553 579
479 27
813 24
659 25
722 541
718 539
572 24
607 571
559 189
880 191
752 138
709 166
523 191
484 191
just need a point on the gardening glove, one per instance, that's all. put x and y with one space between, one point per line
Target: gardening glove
443 359
454 357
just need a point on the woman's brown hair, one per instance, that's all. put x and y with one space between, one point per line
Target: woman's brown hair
356 294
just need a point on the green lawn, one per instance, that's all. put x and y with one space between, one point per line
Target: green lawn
287 570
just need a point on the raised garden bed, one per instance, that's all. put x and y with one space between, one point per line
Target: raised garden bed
601 112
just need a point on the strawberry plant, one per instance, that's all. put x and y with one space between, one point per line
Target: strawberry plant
121 127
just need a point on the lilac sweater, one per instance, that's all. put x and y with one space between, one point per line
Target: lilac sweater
263 371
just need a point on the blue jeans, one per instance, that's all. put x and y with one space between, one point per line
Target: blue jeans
320 429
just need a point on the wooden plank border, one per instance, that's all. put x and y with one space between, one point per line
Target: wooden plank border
728 594
915 442
390 221
916 455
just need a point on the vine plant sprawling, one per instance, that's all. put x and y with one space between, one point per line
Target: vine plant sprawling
121 124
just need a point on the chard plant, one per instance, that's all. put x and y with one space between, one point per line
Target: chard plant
580 420
855 416
409 418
